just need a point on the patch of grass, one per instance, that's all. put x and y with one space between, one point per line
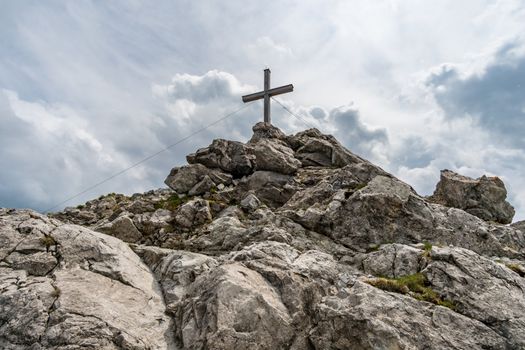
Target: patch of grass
516 268
359 186
390 285
172 202
427 248
373 248
214 190
47 241
112 194
415 285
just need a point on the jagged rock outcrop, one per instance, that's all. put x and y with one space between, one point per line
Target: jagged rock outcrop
230 156
285 242
64 287
483 197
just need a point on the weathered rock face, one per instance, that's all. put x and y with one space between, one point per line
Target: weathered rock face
315 149
264 131
196 179
65 287
286 242
483 197
230 156
275 155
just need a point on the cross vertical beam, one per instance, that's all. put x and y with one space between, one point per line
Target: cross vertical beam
267 111
266 94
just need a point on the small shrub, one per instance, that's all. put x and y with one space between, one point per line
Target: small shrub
172 202
233 201
373 248
415 285
47 241
389 285
427 248
81 206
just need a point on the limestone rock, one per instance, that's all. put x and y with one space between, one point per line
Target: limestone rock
271 188
97 295
250 202
274 155
263 130
483 197
122 228
332 253
248 314
315 149
182 179
374 319
394 260
195 212
230 156
482 290
200 188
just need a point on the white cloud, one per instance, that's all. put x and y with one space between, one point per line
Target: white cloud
95 78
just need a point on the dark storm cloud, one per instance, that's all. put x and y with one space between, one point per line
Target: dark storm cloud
351 131
495 98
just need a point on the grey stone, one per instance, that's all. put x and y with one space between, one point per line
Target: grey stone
394 260
250 202
230 156
182 179
274 155
205 185
273 189
98 295
482 289
193 213
263 130
295 271
123 228
315 149
483 197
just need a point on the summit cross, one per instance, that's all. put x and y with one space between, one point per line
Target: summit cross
266 94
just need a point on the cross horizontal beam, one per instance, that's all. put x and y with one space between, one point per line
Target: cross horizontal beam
272 92
266 94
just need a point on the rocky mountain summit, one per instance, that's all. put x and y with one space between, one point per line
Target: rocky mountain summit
285 242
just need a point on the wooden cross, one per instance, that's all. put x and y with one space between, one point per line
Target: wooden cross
266 94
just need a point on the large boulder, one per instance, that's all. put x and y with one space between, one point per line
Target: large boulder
313 148
275 155
67 287
195 212
332 253
263 130
230 156
123 228
481 289
273 189
483 197
196 179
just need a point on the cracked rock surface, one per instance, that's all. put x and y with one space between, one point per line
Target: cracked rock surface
285 242
67 287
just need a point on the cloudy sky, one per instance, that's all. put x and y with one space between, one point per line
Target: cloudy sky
88 88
